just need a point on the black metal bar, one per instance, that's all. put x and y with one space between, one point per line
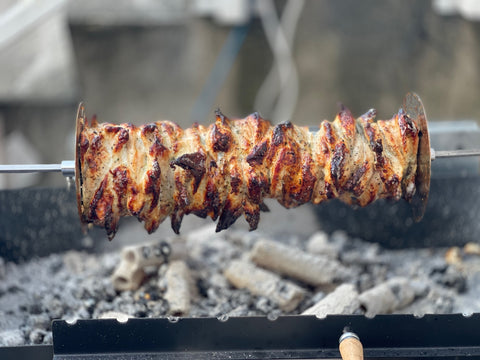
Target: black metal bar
294 337
37 352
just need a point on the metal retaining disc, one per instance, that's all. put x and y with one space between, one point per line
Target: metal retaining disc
80 124
413 107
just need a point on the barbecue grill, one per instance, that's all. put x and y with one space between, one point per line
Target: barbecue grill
29 234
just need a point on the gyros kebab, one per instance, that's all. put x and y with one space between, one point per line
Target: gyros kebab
227 169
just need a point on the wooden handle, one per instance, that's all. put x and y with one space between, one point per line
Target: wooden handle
351 348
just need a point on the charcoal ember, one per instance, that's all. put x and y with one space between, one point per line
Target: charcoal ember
222 308
140 261
378 272
274 314
471 248
109 261
36 336
224 302
319 243
242 239
78 314
452 278
13 289
77 262
95 289
12 338
214 295
365 281
243 274
436 266
343 300
3 319
202 286
360 252
48 338
265 305
150 291
11 319
3 269
60 286
56 265
240 297
133 309
157 308
89 305
420 287
35 307
102 307
340 239
319 295
208 248
41 321
439 300
287 260
180 288
217 280
241 310
53 306
386 297
453 256
201 311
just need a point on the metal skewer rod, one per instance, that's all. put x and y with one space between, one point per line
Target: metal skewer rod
453 153
30 168
67 167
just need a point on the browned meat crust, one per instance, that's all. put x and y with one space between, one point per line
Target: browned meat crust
227 169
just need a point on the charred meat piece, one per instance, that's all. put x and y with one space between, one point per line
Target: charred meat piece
227 169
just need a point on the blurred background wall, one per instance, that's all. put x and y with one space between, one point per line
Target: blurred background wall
146 60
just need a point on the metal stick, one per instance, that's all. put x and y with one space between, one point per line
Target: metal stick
67 167
30 168
454 153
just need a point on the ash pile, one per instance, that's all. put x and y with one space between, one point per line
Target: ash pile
235 273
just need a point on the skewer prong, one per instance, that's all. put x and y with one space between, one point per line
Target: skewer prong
66 167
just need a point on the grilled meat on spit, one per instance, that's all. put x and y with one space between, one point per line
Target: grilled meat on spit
227 169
